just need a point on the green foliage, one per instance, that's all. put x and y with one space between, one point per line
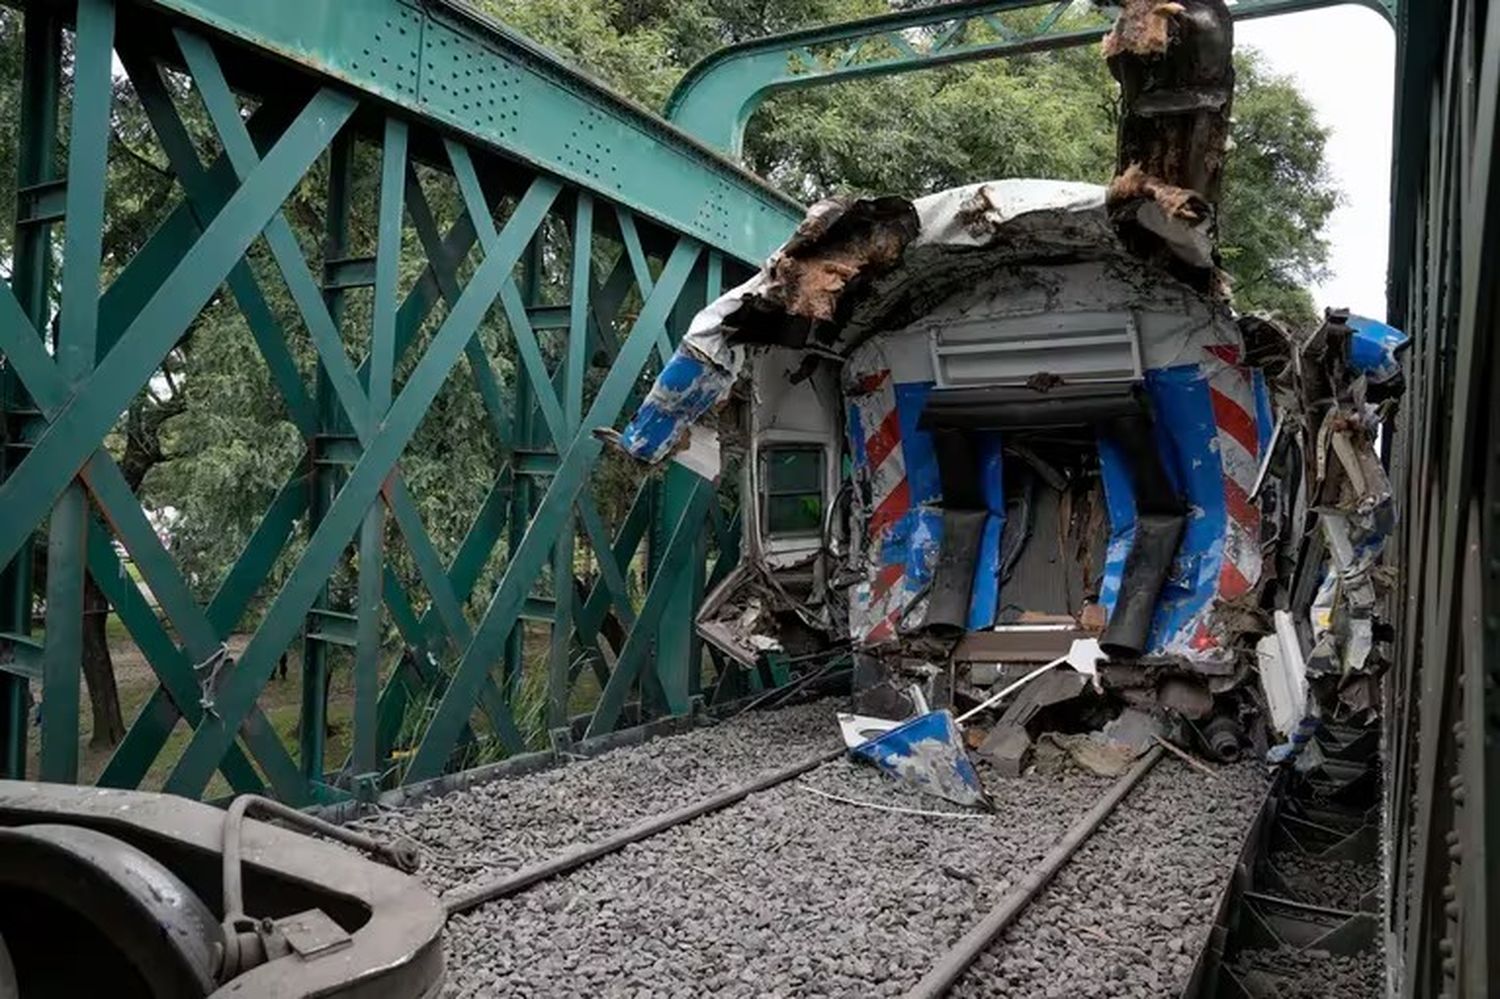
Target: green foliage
1278 196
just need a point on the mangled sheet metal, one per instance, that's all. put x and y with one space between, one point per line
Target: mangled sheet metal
1041 415
834 252
1340 387
995 285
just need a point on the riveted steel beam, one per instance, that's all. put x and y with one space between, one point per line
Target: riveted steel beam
492 87
716 98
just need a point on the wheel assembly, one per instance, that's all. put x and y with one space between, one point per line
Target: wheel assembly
129 894
67 888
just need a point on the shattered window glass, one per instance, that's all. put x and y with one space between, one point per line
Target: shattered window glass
792 494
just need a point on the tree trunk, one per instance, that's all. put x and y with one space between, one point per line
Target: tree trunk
99 670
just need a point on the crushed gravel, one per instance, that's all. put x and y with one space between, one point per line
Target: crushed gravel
1130 912
496 827
1313 974
790 893
1335 884
786 894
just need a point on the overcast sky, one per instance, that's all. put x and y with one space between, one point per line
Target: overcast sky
1343 59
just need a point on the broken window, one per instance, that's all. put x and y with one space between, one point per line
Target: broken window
792 498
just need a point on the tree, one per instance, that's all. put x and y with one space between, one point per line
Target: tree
1278 196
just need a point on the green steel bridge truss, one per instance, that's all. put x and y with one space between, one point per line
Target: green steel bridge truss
545 161
525 141
718 96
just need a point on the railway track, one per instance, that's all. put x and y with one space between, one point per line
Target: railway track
779 868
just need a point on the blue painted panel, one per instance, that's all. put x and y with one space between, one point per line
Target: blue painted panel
984 598
1119 498
1184 414
856 438
1373 347
1265 418
913 542
687 388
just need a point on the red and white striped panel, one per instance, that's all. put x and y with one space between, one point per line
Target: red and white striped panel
1233 395
877 604
890 494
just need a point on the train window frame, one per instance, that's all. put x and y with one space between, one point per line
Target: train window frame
769 491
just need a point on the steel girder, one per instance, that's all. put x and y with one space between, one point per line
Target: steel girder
447 64
717 97
515 199
1443 697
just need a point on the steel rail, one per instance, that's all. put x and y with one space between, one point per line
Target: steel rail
465 899
952 965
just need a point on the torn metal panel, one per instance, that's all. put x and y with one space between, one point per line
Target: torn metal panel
1374 348
1283 675
928 753
690 385
752 613
836 249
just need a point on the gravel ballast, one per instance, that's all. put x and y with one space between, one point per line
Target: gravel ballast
1313 974
791 893
786 894
496 827
1129 914
1335 884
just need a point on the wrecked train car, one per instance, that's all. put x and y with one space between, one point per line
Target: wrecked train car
1015 420
979 427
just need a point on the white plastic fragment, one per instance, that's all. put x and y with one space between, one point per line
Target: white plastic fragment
860 729
1283 674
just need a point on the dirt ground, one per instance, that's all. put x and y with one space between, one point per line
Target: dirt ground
281 701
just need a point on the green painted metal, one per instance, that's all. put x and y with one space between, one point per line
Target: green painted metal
496 89
348 490
74 356
365 758
665 588
715 100
526 560
552 173
359 491
32 278
89 413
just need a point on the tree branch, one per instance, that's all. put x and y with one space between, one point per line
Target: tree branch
141 158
